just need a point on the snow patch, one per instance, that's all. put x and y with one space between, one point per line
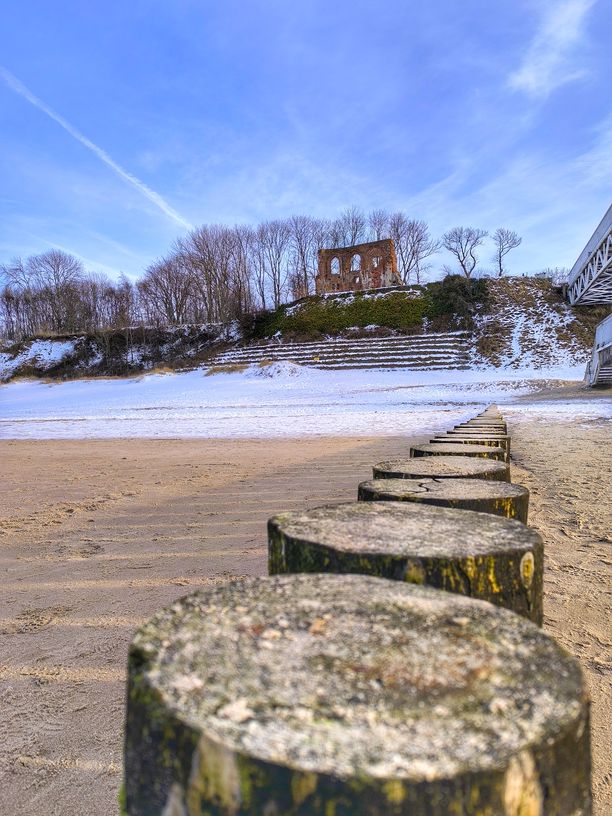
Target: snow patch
43 354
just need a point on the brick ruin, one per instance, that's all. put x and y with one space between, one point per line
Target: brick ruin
364 266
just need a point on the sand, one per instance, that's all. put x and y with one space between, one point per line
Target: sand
97 535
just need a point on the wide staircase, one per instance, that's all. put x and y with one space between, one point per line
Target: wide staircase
450 350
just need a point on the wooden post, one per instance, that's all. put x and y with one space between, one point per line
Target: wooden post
472 439
498 427
457 449
442 467
329 694
477 554
500 498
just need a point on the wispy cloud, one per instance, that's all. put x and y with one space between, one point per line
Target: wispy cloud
548 62
19 88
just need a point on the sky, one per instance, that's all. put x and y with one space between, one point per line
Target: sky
125 124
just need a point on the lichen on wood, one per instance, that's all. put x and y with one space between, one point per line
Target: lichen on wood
442 467
351 696
470 439
458 449
500 498
476 554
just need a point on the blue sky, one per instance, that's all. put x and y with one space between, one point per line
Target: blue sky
122 123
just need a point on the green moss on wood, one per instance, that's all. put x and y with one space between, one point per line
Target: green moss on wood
473 554
324 694
500 498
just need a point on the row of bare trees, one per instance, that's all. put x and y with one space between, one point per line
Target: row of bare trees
53 293
463 244
217 273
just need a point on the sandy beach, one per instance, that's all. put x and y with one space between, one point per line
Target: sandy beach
96 535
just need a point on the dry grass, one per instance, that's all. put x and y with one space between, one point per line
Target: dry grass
230 368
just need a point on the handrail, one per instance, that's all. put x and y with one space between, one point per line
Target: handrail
604 227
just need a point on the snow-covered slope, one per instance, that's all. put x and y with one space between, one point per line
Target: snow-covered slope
120 353
527 324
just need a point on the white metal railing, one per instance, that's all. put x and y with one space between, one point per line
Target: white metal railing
603 333
590 278
600 360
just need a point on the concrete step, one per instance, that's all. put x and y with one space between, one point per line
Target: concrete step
398 355
424 351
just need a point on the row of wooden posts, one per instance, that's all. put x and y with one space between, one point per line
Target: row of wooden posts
391 663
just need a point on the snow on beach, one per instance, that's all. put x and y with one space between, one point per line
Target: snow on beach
278 400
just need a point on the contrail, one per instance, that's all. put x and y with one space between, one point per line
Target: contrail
19 88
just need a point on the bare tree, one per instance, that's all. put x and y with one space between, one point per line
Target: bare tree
53 293
272 245
349 228
57 276
505 240
165 291
413 245
244 238
462 242
304 243
378 222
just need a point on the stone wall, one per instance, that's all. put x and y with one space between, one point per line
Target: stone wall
364 266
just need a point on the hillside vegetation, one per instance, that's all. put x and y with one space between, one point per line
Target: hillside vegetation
439 306
110 352
512 322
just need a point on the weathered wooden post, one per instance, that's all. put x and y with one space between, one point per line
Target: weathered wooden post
351 696
477 554
442 467
500 498
497 440
458 449
485 425
477 432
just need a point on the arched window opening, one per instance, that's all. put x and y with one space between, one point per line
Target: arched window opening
376 261
356 262
335 266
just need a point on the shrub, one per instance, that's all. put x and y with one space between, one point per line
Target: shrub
457 295
402 311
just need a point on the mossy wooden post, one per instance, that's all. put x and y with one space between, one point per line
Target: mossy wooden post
472 430
500 498
477 554
491 410
493 441
485 426
442 467
351 696
457 449
477 432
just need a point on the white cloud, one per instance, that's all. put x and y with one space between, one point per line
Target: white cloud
549 61
19 88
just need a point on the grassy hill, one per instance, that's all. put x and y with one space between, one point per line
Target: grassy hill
438 306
